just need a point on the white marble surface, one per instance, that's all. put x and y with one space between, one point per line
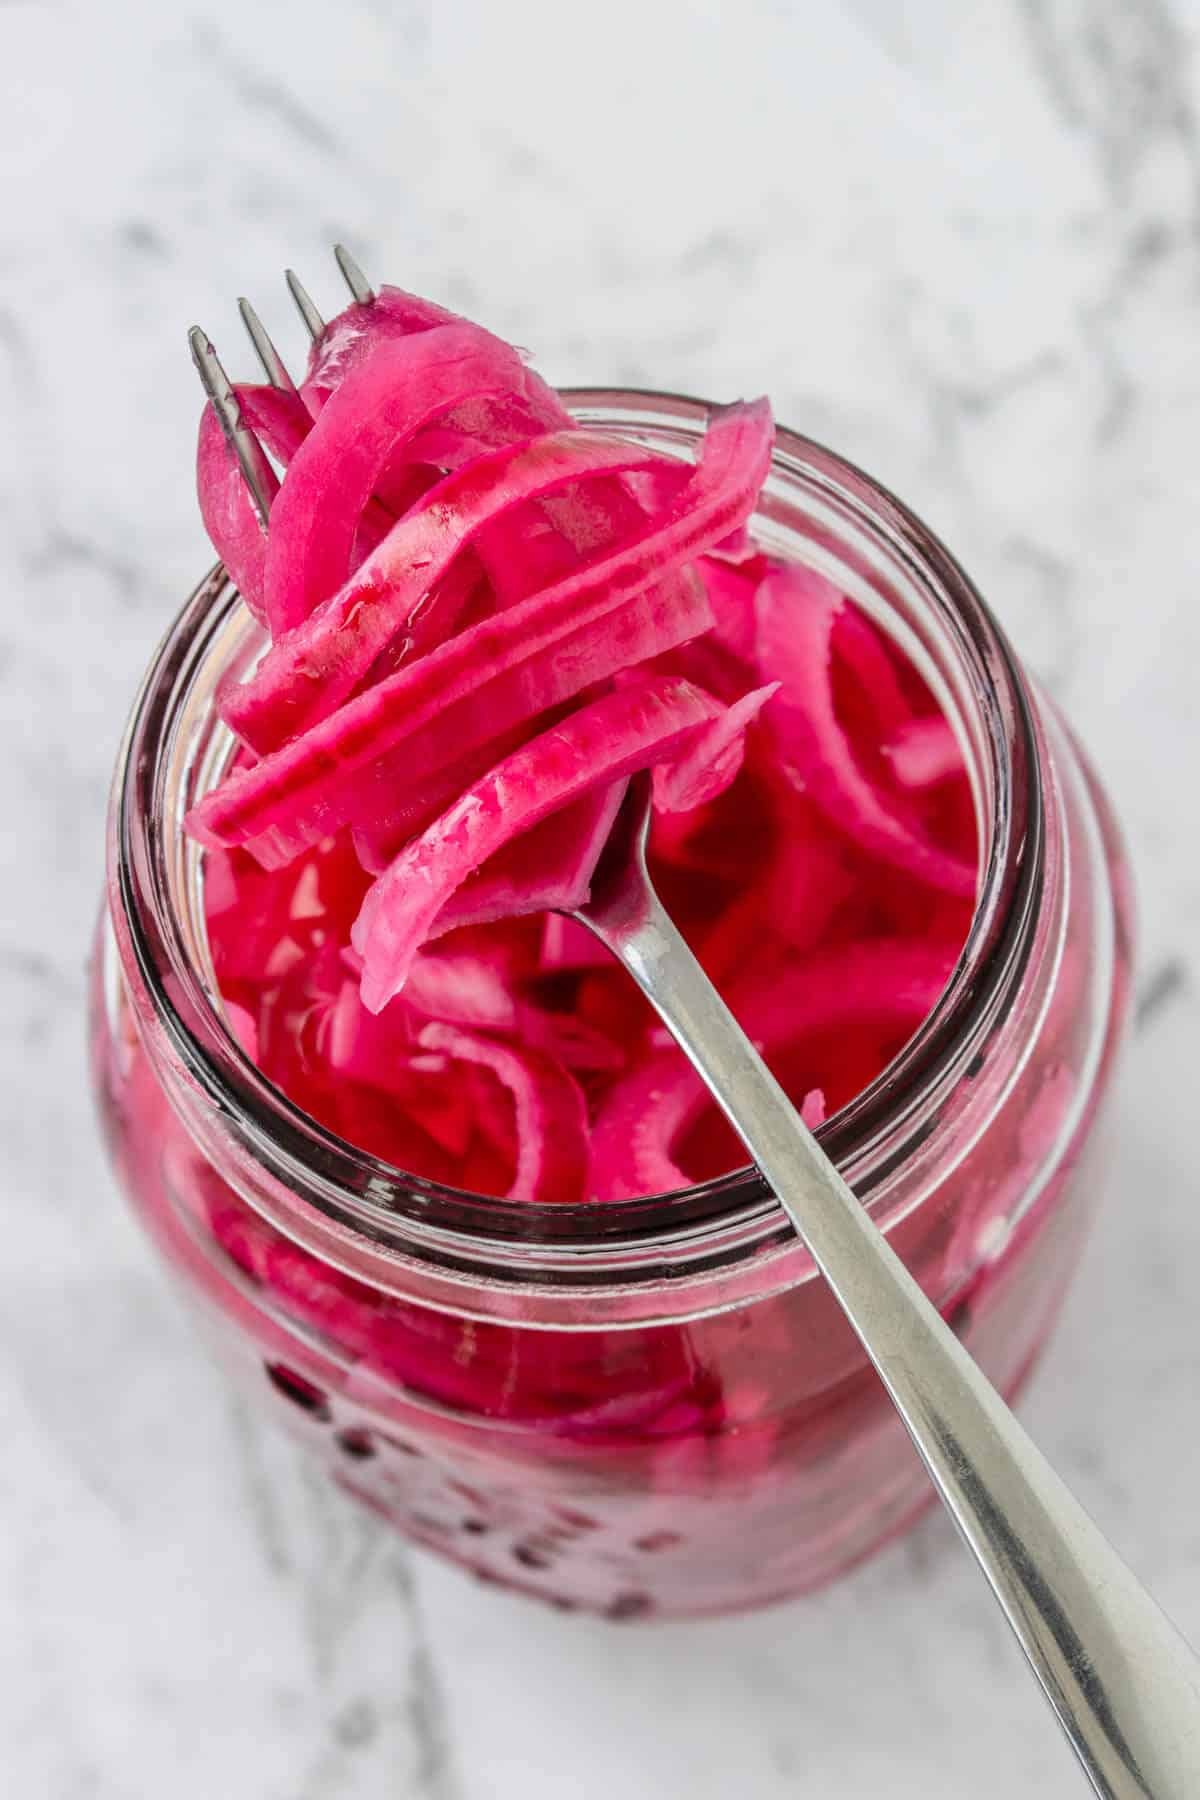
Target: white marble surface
960 239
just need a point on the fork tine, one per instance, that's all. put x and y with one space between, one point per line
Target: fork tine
274 367
353 276
262 484
314 324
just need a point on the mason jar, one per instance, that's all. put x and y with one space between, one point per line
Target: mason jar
654 1406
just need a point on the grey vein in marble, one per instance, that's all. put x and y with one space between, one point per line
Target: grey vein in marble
1162 986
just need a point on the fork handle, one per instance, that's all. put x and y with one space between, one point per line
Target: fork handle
1124 1684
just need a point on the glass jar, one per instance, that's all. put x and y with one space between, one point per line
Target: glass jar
655 1406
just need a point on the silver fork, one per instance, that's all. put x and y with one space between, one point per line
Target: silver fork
1123 1683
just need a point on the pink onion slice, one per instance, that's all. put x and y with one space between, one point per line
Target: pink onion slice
468 987
787 902
366 422
885 979
797 611
551 1115
311 669
524 551
731 592
461 598
601 743
385 793
461 988
366 1046
859 647
281 420
812 1108
358 331
229 517
924 752
646 1113
389 809
478 426
641 1117
306 790
713 762
282 423
547 868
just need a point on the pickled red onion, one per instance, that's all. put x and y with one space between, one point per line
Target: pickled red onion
630 729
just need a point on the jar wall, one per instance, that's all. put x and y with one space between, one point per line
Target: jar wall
729 1458
686 1430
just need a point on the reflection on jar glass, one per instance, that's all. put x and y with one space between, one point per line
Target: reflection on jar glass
653 1406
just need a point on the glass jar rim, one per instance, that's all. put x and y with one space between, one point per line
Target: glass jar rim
706 1225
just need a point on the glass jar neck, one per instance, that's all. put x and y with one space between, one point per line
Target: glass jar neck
816 509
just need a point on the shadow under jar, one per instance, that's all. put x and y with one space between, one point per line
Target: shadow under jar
649 1407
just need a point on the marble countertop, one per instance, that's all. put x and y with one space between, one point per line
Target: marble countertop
959 242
